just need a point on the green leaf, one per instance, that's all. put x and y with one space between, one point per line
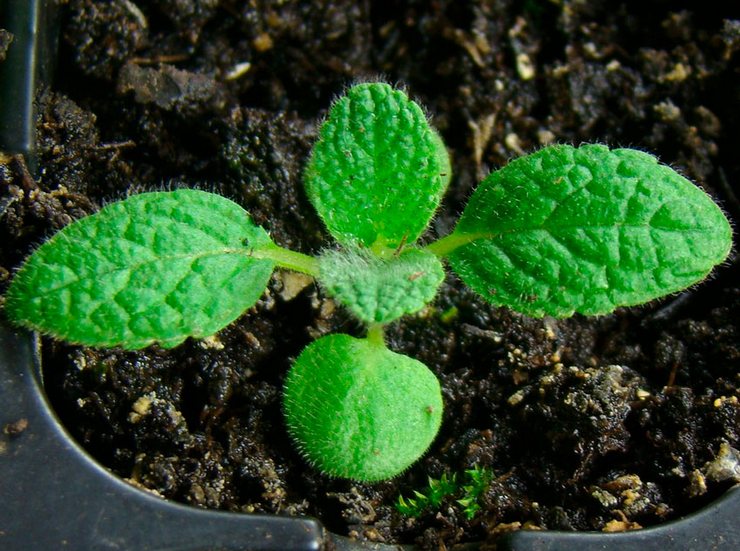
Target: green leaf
441 488
436 492
409 508
380 290
378 170
358 410
585 230
156 267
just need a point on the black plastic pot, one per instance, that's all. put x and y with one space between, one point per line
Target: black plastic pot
28 64
54 496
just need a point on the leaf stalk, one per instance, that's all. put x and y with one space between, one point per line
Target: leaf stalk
291 260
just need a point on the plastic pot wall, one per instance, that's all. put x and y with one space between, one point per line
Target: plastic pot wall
55 496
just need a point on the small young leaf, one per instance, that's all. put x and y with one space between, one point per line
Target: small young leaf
379 170
358 410
586 230
380 290
408 508
436 492
441 488
158 266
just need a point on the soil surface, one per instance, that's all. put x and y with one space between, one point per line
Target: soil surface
608 423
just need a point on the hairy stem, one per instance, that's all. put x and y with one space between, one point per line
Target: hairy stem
443 247
292 260
376 334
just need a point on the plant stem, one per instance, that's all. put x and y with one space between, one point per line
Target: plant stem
292 260
443 247
376 334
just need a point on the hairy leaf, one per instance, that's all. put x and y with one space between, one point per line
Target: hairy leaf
358 410
380 290
586 230
158 266
379 170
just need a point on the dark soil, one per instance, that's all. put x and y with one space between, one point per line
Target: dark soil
606 423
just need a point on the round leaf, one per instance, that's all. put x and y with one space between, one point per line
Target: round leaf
378 170
358 410
586 230
157 267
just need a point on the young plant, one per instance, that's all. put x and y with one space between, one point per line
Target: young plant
566 229
478 479
437 490
468 493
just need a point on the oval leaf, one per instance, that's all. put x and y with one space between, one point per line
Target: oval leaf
358 410
378 170
157 267
380 290
586 230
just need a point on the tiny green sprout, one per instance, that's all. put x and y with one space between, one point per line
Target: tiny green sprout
566 229
477 481
437 490
467 493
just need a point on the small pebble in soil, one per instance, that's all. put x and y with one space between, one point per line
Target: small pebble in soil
16 428
726 466
166 86
6 38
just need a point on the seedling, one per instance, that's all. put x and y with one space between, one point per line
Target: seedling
467 493
432 497
566 229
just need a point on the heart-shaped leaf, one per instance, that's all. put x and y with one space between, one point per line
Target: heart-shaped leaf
379 170
380 290
586 230
157 267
